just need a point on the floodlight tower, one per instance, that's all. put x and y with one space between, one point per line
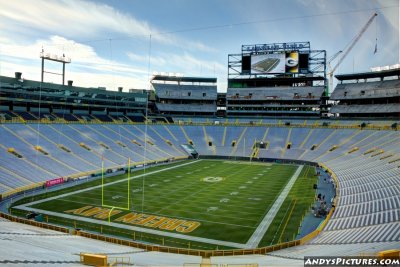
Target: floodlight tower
62 59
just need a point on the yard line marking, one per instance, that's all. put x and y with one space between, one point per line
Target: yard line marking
178 217
91 189
199 191
108 184
182 199
86 199
269 217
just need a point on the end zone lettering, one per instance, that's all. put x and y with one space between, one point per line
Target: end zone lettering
140 219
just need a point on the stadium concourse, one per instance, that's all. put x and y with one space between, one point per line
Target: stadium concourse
365 161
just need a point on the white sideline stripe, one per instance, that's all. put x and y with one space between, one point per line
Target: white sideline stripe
269 217
97 186
135 228
124 226
255 238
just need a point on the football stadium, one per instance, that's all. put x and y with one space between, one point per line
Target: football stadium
292 161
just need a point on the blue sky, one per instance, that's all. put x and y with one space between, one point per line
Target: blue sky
109 41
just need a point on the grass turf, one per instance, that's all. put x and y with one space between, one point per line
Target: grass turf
229 210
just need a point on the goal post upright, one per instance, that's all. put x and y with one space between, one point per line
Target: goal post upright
109 214
103 185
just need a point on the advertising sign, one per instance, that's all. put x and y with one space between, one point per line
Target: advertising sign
54 181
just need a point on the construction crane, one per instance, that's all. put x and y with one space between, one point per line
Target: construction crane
333 58
347 51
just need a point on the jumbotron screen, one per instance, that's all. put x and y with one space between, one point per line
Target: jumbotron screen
275 63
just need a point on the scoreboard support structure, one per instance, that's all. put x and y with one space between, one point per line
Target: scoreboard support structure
276 60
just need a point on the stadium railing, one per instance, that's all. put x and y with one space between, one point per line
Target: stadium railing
330 126
204 253
184 251
193 252
155 248
22 189
34 223
281 123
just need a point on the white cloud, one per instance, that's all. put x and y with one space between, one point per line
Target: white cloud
136 57
186 44
198 46
185 63
84 21
87 69
72 17
81 78
346 23
83 56
144 59
192 63
331 25
391 14
56 26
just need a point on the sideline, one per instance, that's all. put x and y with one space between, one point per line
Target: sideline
251 243
135 228
262 228
128 227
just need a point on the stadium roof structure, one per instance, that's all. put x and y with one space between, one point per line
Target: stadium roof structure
183 79
369 75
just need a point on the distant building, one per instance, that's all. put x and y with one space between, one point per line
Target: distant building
368 95
33 100
185 95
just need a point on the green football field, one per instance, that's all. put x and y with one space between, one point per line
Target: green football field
211 199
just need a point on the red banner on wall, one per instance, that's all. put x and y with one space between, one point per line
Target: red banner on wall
54 181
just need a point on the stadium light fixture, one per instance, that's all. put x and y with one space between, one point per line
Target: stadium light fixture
52 57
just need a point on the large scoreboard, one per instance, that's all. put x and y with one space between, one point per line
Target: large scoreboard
275 63
277 59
